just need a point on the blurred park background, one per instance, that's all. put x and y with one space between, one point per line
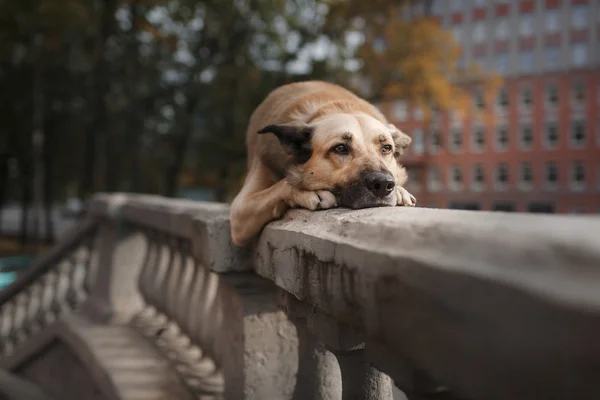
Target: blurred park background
501 98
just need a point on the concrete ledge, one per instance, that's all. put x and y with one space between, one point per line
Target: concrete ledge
487 303
205 224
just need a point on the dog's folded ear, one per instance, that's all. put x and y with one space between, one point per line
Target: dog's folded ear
401 139
295 139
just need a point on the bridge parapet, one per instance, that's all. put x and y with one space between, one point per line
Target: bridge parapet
149 297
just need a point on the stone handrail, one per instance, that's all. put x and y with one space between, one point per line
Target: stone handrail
338 304
57 282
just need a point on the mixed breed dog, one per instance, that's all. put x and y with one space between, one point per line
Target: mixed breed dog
316 145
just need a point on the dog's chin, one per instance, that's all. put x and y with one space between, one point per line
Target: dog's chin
366 199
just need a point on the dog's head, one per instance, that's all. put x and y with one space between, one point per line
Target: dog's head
353 155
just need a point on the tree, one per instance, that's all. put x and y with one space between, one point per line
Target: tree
137 93
408 55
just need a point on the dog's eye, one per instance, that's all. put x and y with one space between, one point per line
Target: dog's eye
386 149
340 149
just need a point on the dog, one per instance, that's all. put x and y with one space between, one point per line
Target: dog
317 145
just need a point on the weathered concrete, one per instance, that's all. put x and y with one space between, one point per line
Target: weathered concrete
360 380
319 376
207 223
257 344
448 288
13 387
482 303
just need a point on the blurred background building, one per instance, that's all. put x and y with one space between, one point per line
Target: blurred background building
541 150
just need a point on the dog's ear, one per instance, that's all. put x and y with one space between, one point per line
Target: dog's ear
295 139
401 139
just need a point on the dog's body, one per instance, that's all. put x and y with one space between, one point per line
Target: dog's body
329 147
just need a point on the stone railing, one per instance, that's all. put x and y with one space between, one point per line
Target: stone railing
149 299
58 283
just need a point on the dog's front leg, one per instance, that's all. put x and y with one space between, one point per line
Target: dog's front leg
251 211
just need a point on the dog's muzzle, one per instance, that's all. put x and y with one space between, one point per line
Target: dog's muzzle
371 189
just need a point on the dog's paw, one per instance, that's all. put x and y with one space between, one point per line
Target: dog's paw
312 200
405 198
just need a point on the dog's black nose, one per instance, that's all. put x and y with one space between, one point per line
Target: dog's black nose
380 183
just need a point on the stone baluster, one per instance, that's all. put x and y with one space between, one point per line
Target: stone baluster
333 363
114 295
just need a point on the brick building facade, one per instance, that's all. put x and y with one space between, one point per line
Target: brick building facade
541 152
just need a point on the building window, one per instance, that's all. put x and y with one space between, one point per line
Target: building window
417 143
504 206
526 25
456 178
479 100
435 141
501 63
456 5
477 177
578 93
526 61
502 176
540 207
580 54
551 175
577 176
501 138
456 140
502 100
551 136
418 113
414 180
457 33
400 110
434 178
437 7
525 98
526 137
579 16
478 139
479 32
578 134
552 57
551 21
552 95
502 30
526 176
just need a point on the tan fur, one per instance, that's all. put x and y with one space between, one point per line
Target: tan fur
273 184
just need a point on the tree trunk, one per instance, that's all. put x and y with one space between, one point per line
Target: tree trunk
25 198
37 140
99 132
180 147
135 123
222 185
102 89
3 183
48 154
